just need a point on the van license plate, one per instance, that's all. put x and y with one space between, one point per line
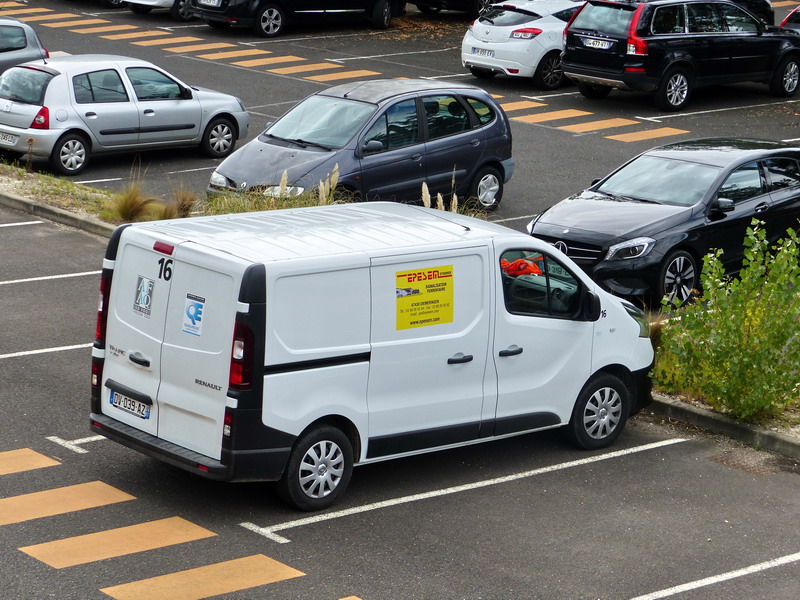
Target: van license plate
483 52
597 44
209 2
8 139
140 409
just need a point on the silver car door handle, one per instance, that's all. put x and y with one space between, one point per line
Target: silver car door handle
761 207
91 115
139 359
510 352
457 360
149 111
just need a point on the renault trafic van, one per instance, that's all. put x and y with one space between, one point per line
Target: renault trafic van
292 345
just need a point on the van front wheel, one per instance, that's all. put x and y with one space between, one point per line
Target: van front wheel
319 469
600 413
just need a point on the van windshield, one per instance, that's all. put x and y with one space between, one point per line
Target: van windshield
611 19
24 84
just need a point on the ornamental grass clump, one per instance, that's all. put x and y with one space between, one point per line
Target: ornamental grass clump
737 346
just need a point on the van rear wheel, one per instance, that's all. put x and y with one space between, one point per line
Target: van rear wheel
319 469
600 413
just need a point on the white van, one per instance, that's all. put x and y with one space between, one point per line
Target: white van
290 345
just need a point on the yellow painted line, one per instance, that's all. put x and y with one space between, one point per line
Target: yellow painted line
256 62
785 3
551 116
306 67
12 4
50 16
17 509
25 11
522 104
25 459
204 582
136 34
646 135
597 125
169 40
495 96
341 75
198 47
84 549
233 54
76 23
105 29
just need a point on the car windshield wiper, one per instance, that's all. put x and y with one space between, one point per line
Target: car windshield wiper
308 143
616 196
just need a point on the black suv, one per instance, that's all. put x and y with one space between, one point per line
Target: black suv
669 47
268 18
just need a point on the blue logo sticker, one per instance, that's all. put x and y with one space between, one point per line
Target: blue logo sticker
193 315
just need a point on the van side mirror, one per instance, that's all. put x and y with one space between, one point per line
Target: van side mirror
723 205
372 146
591 306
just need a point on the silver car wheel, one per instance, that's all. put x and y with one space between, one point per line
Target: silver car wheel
321 469
220 138
790 77
72 155
679 279
603 413
677 89
488 187
271 21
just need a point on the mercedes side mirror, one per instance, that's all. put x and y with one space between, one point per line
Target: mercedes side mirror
724 204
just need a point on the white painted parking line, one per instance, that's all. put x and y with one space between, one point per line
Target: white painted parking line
660 118
211 168
44 351
49 277
270 531
100 180
74 445
693 585
338 60
21 224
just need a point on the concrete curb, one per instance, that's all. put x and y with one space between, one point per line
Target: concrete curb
753 435
760 437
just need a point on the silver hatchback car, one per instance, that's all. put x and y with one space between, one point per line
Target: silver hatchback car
18 43
68 108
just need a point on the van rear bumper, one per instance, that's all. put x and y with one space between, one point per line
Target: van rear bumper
244 465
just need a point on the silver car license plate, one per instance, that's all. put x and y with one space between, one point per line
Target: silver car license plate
8 139
483 52
597 44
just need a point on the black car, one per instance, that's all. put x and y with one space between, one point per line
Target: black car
669 47
644 229
386 137
269 18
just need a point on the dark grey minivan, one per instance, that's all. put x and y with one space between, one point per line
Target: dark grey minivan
387 137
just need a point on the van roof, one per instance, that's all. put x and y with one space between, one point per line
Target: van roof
325 230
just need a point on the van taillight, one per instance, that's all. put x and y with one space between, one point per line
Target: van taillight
242 351
42 119
636 45
227 424
102 310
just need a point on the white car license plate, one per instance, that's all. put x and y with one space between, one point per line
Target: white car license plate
597 44
209 2
483 52
135 407
8 139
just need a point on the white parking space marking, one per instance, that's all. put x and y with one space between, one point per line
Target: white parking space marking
770 564
100 180
392 54
21 224
660 118
74 445
49 277
269 531
44 351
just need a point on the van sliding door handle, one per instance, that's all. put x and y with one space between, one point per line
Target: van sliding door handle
139 359
457 360
510 352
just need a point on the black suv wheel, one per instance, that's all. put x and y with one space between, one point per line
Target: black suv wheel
674 90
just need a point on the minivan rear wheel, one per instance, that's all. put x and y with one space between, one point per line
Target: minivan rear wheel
270 21
600 413
487 188
674 90
785 78
70 154
592 91
319 469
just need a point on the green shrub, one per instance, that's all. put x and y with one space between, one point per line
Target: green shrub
738 346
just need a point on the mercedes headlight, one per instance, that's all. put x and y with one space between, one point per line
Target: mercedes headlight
635 248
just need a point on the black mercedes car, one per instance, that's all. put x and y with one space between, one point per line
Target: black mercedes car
644 229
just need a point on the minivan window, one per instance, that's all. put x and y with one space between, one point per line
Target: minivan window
538 285
324 120
611 19
12 38
99 86
445 116
396 127
669 19
744 183
704 18
482 110
783 173
507 16
24 84
661 180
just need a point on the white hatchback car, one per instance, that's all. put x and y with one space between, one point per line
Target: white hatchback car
521 39
75 106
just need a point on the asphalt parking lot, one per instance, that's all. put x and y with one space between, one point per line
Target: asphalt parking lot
667 512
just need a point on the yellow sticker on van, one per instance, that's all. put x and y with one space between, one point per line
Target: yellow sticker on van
424 297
